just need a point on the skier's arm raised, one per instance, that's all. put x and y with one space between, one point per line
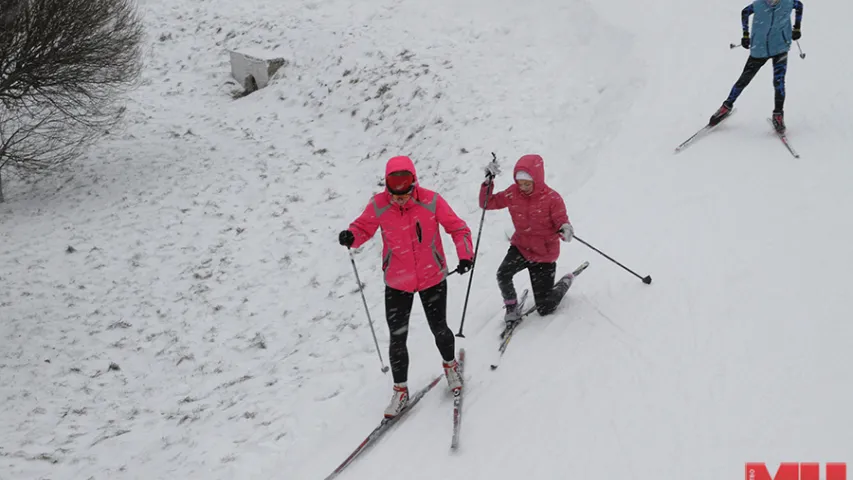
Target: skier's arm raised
497 201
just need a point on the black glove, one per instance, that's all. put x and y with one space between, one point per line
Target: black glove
346 238
744 42
796 34
464 266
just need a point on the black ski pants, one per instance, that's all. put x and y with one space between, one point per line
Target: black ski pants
547 295
753 65
398 307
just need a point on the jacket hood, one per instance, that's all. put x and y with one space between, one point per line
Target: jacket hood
401 163
533 165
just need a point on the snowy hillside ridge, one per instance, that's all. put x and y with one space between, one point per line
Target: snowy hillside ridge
370 95
176 305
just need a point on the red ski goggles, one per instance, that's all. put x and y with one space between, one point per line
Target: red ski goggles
400 183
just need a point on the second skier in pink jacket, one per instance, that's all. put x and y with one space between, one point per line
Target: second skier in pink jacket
539 216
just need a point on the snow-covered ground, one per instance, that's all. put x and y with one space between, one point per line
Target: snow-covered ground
177 305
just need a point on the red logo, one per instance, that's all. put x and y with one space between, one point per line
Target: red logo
797 471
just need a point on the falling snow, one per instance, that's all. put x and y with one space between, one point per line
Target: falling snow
177 305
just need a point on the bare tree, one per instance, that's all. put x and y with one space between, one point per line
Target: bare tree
63 66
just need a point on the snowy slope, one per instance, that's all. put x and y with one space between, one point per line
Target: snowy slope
204 261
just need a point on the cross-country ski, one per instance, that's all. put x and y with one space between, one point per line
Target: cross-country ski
704 131
784 138
458 396
384 426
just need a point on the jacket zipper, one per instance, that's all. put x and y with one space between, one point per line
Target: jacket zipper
414 251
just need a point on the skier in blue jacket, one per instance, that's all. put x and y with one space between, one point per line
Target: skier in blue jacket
772 34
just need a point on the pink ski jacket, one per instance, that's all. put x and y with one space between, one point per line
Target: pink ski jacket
537 217
412 254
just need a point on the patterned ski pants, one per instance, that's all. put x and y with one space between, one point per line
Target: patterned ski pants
753 65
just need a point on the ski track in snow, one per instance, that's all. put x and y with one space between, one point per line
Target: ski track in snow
176 304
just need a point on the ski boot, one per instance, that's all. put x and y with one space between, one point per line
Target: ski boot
561 286
778 119
451 372
399 400
724 111
512 315
566 280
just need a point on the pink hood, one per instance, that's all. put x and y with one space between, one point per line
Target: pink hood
401 164
535 167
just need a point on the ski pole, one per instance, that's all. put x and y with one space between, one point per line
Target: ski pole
369 321
476 249
802 55
647 279
733 45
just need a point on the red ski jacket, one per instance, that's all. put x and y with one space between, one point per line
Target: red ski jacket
537 217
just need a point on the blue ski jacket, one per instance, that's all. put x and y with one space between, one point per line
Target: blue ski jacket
771 25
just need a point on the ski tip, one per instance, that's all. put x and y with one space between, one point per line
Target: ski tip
784 137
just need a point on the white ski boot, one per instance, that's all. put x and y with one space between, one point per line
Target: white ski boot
451 372
399 400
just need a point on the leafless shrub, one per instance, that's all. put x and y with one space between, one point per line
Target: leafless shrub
63 66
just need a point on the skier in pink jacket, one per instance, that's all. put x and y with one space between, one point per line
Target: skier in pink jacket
539 216
413 261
